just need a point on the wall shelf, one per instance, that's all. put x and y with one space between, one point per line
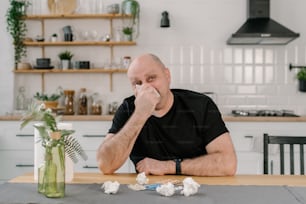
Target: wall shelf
43 45
42 72
76 16
79 43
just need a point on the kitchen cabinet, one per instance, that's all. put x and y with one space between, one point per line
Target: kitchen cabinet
91 134
98 43
248 141
17 147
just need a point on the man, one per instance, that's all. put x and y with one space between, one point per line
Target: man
166 131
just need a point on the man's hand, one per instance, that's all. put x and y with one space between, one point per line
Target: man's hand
155 167
146 99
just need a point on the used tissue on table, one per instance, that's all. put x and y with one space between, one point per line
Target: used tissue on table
190 187
166 189
110 187
142 179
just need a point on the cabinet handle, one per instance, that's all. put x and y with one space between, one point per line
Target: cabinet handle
94 135
24 165
90 167
24 135
249 136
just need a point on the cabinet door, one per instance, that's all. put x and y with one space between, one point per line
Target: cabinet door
12 138
91 134
15 163
91 165
248 141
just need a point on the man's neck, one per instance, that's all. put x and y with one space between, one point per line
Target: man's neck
168 104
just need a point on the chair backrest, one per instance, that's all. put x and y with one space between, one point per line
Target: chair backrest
284 140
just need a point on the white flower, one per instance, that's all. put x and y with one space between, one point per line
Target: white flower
142 179
110 187
166 189
190 187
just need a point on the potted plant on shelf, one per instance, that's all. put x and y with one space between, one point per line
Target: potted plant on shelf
65 58
301 76
54 37
128 31
50 101
17 28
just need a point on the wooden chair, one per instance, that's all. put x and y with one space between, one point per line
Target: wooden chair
284 140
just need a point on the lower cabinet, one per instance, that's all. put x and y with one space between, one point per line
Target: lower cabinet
16 150
17 153
17 147
248 142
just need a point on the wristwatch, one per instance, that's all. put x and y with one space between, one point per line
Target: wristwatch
178 166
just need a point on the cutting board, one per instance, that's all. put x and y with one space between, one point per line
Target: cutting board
63 7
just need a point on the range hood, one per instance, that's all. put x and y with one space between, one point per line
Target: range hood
260 29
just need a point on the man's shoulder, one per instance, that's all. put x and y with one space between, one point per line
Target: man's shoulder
188 93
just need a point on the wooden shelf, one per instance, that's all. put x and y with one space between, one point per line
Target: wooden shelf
42 72
45 44
60 71
76 16
79 43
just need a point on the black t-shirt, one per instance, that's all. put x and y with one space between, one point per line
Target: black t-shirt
192 122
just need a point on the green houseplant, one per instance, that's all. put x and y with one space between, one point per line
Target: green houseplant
301 76
17 28
131 8
65 58
50 101
128 31
56 142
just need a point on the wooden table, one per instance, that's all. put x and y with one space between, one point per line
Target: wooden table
262 180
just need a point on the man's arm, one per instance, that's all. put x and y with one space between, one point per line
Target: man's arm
220 161
116 148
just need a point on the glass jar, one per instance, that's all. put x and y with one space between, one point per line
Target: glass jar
82 105
21 99
69 102
96 106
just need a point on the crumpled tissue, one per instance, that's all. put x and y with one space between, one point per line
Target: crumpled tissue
142 179
110 187
166 189
190 187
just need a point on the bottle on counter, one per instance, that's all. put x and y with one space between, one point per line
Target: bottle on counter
96 106
69 102
83 102
21 99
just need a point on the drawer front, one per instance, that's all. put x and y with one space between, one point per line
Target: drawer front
11 137
90 165
91 134
16 163
249 163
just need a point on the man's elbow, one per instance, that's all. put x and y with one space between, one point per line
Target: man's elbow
231 167
105 168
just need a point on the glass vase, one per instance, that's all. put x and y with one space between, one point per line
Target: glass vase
51 174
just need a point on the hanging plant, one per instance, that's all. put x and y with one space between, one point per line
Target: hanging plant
17 28
132 8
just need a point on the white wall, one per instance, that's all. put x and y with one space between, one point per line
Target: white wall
195 50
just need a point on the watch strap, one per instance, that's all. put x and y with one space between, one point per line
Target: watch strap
178 170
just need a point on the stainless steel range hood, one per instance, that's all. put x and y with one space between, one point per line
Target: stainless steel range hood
260 29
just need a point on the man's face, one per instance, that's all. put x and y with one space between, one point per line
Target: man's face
147 71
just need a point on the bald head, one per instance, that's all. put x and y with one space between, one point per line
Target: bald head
146 59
